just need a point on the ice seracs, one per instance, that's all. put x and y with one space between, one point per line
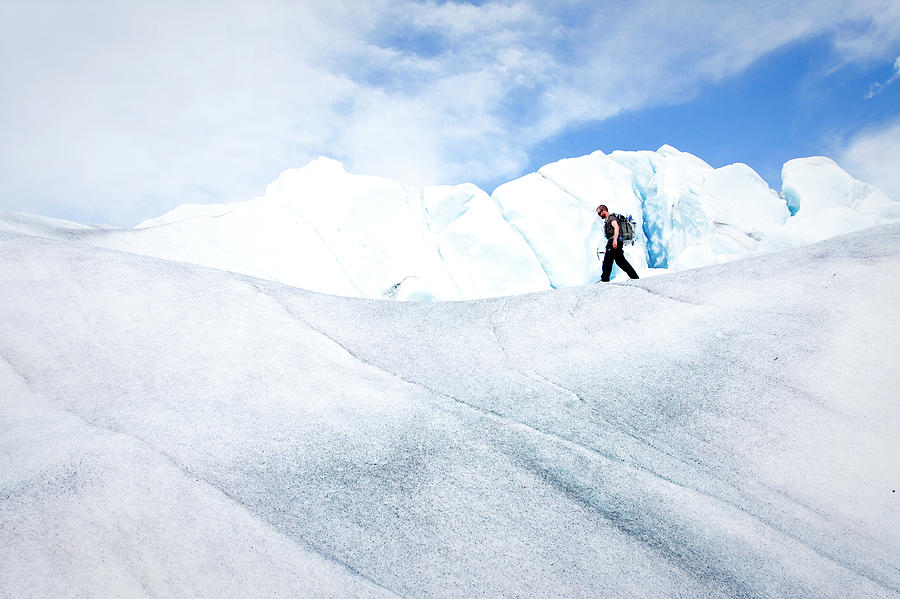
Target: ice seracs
554 211
482 254
697 215
322 228
825 201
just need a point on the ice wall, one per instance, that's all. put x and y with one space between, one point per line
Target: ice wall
825 201
483 255
697 215
322 228
554 210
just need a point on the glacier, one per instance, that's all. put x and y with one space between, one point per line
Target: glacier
169 429
323 229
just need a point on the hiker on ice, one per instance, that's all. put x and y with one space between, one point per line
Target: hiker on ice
614 250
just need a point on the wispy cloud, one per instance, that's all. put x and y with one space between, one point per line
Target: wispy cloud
121 110
879 86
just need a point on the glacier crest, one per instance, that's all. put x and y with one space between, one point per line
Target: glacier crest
322 228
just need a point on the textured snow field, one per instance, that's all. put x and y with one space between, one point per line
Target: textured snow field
173 430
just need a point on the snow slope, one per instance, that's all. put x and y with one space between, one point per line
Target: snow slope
324 229
169 429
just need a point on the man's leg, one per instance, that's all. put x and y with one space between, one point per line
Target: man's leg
624 264
607 264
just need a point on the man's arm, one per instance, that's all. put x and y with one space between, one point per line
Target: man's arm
615 225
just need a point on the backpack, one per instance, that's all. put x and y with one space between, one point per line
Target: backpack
626 227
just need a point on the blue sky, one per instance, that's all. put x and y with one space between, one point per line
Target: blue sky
116 111
791 103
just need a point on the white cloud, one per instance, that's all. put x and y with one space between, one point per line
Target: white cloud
137 108
878 87
871 30
873 156
117 111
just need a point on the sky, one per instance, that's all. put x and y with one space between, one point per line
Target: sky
114 112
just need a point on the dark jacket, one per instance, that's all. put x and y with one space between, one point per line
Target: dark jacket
608 228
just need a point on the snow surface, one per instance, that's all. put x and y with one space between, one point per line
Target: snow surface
324 229
173 430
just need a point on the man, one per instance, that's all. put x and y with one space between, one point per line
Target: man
613 246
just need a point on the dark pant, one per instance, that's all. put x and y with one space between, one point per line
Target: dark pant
619 256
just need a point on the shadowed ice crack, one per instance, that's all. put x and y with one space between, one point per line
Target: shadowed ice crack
536 376
702 304
668 297
16 369
537 256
